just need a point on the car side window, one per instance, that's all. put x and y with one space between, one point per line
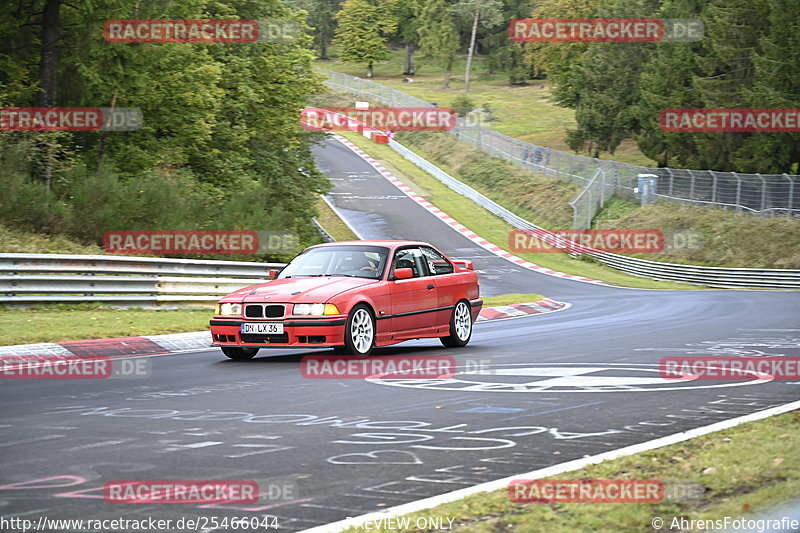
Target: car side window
437 263
410 258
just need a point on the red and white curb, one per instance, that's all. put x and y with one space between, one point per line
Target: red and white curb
501 312
450 221
201 340
115 347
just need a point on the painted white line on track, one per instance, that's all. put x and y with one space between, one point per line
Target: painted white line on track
338 214
569 466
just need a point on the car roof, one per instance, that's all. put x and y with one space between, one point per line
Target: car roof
388 244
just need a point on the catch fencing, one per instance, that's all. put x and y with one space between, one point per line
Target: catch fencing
719 277
762 194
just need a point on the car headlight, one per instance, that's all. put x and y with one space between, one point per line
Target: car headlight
315 309
229 309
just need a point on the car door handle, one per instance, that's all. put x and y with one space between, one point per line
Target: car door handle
430 287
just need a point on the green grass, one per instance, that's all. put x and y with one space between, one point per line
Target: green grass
334 225
509 299
746 470
16 241
492 228
525 112
60 322
87 321
729 239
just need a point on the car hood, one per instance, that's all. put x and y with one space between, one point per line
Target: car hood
302 290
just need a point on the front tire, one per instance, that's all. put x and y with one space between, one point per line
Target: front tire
460 326
239 353
359 333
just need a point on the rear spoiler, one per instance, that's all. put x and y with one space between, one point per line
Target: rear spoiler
463 263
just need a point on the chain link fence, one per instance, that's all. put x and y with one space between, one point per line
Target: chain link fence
762 194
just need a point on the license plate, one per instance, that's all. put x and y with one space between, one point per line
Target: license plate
268 328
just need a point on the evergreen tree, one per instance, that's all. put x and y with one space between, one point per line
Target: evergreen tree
408 16
777 85
322 18
362 33
503 54
438 36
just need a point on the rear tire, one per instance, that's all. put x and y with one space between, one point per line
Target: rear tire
239 353
359 333
460 326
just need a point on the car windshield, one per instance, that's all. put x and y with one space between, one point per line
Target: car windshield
347 260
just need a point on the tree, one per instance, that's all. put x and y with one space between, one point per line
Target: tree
408 13
777 85
361 35
438 36
221 146
503 54
487 12
559 60
608 88
322 17
48 62
726 71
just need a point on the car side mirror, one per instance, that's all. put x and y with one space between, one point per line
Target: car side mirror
403 273
272 273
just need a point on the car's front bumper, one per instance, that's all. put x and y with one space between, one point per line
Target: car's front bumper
300 332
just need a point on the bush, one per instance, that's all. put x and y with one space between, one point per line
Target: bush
462 104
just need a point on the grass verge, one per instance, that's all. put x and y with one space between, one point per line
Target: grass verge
723 238
86 321
57 323
334 225
509 299
490 227
733 478
17 241
522 111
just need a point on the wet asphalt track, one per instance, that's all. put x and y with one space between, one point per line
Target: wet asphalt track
568 384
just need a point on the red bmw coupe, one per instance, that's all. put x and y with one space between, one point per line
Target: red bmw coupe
352 296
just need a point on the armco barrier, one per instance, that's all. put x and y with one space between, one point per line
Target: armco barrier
122 280
711 276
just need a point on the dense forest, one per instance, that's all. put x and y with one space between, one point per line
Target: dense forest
220 146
